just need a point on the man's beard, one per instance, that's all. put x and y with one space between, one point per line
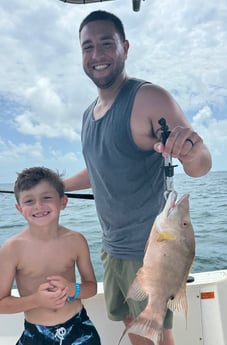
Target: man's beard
109 80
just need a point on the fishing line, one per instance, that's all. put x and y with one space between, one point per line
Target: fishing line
69 195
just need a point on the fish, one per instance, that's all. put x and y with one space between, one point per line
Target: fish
162 279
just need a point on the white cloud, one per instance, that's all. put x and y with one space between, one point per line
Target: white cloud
14 158
11 151
214 134
180 45
183 48
49 116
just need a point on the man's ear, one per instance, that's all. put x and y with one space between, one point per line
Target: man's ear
64 201
126 48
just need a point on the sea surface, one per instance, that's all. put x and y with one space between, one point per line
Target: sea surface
208 208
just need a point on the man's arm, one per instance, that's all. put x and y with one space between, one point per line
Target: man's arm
194 155
183 142
77 182
153 103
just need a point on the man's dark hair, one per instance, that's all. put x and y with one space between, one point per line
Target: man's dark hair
104 15
30 177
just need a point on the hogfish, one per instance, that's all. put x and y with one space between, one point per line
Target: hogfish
169 254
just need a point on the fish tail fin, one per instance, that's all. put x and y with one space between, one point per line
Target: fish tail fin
149 329
122 336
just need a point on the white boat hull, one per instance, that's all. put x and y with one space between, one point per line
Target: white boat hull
206 320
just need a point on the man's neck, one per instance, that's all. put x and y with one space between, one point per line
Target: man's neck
108 95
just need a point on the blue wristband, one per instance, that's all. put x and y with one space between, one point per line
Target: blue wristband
77 292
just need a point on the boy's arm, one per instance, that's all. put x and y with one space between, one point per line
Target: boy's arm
88 285
85 268
8 266
11 304
40 299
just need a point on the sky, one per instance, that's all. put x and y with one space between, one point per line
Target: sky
177 44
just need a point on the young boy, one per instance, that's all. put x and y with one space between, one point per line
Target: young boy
42 260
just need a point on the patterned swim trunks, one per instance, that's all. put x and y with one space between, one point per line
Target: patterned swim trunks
79 330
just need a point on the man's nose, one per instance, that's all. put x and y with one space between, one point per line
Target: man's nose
98 51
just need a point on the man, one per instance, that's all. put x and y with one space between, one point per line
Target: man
124 159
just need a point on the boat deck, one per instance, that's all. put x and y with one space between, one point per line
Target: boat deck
206 320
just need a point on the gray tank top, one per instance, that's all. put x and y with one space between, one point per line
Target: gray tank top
127 182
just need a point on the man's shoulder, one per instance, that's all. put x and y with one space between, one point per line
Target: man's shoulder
154 95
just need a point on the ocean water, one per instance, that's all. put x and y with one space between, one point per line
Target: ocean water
208 208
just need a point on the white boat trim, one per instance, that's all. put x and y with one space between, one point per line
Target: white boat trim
206 320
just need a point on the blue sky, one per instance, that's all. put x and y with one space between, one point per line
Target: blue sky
177 44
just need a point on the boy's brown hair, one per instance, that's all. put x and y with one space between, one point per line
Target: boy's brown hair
30 177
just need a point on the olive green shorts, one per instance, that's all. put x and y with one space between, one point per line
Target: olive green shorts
118 276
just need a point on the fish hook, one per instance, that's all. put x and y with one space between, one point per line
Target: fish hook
168 166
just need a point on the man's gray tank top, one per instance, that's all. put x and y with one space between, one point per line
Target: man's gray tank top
127 182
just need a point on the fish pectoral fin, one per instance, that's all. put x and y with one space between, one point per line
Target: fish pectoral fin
136 292
145 328
165 235
179 302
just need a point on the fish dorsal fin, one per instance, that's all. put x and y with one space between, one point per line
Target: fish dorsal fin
136 292
165 235
179 302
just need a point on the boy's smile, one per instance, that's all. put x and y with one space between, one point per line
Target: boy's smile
40 214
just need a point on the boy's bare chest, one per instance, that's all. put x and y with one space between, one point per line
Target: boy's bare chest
45 259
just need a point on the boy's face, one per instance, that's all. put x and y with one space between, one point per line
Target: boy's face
41 204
